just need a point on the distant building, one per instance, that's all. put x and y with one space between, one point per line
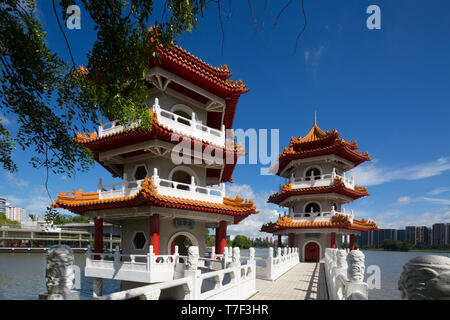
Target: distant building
440 233
15 214
448 234
411 234
401 235
3 205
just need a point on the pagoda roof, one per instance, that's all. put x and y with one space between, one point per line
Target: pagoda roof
213 79
81 202
136 134
319 143
184 64
338 186
339 221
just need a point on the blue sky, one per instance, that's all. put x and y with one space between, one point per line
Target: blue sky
388 89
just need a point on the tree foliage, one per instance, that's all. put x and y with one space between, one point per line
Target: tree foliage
53 100
242 242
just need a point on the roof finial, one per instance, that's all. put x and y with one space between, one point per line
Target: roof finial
315 118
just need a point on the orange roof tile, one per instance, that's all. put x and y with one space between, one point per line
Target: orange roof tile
338 186
338 221
81 202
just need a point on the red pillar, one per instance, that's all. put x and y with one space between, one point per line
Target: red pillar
221 237
352 242
279 241
98 236
291 240
154 233
333 240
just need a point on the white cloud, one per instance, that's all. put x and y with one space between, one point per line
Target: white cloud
312 58
403 200
372 174
35 200
16 182
267 212
437 200
438 191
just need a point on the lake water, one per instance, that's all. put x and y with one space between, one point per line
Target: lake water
22 275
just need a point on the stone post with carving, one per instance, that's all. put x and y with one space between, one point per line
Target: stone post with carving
356 288
59 274
193 271
426 278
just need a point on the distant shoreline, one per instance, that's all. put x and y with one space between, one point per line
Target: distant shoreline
413 250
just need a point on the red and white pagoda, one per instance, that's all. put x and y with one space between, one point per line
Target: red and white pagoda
315 193
159 204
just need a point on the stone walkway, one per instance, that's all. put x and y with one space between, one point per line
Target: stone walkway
306 281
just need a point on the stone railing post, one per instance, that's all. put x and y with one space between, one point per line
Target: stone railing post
269 263
193 272
426 278
150 257
251 254
213 253
225 258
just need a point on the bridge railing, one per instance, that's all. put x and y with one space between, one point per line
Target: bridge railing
277 265
236 281
344 273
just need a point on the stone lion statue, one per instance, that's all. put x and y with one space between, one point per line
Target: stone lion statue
59 274
426 278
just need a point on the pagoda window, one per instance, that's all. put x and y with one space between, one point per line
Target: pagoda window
139 240
140 173
315 172
312 208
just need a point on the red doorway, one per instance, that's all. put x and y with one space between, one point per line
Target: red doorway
312 252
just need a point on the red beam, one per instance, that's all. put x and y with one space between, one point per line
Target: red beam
352 242
291 240
333 240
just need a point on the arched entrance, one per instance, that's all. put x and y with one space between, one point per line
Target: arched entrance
312 252
183 240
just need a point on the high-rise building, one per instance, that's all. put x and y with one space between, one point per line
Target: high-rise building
439 233
401 235
447 241
15 214
411 234
3 205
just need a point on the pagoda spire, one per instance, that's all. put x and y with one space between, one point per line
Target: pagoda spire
315 118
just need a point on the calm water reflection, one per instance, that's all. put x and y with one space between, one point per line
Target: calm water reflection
22 275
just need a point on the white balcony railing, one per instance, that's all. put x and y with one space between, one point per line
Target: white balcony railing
320 216
116 190
188 191
320 181
187 127
164 187
132 267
